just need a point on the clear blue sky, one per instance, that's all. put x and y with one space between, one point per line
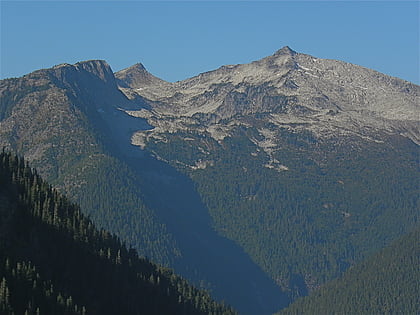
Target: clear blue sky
176 40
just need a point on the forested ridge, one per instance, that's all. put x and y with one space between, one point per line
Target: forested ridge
304 226
53 260
75 150
75 132
385 283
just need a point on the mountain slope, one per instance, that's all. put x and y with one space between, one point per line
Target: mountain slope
310 165
260 181
329 207
87 154
293 90
66 120
54 260
386 283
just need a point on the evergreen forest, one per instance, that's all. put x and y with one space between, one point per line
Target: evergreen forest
385 283
308 224
53 260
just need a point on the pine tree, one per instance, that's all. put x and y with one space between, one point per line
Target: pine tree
4 296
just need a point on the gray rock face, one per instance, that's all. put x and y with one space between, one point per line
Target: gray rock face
136 77
289 89
44 114
97 71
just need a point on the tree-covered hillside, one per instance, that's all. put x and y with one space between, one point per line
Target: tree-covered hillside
70 123
331 204
53 260
59 120
385 283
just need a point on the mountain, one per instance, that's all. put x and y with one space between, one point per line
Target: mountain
260 182
53 260
308 164
68 122
386 283
71 123
290 90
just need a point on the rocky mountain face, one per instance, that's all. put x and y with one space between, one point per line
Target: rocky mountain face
45 102
311 149
287 89
260 181
68 121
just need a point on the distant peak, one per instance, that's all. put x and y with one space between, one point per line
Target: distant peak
136 76
83 64
97 68
286 50
136 68
139 66
93 62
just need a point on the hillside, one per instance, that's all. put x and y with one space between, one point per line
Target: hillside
311 165
58 119
53 260
385 283
260 182
76 132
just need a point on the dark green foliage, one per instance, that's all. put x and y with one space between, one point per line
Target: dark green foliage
338 202
385 283
61 126
54 261
25 291
110 196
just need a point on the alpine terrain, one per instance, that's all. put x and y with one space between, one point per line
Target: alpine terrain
260 182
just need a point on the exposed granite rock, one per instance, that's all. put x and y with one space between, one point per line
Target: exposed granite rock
297 91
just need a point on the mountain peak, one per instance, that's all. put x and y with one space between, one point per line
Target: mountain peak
135 69
286 50
96 62
99 68
88 65
136 76
138 66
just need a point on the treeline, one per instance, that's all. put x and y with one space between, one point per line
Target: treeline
53 260
386 283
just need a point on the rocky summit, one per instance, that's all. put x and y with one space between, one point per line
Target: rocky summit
260 182
288 90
